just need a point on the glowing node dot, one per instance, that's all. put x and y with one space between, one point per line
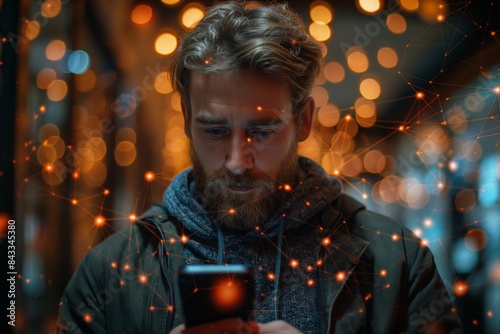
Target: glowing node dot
440 18
74 201
87 318
368 297
208 61
310 268
340 276
418 232
287 187
149 176
308 203
427 222
440 185
151 308
387 286
401 128
106 192
270 276
460 288
326 241
126 267
496 90
319 263
395 237
310 282
184 239
143 278
348 117
49 168
419 95
114 265
259 108
122 282
294 263
231 211
28 281
489 314
99 221
365 196
76 175
170 308
132 217
424 242
42 109
475 322
453 165
383 273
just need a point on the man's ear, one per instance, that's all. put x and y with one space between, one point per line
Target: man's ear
306 119
187 119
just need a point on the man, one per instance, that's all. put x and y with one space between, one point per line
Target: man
322 262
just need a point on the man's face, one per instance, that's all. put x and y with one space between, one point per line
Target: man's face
243 145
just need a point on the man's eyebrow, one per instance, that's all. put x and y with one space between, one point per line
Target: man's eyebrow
204 120
265 122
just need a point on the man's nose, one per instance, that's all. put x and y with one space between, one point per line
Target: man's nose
241 155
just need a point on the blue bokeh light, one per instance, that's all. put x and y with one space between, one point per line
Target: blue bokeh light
78 62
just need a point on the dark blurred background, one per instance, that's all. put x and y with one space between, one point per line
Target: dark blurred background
91 131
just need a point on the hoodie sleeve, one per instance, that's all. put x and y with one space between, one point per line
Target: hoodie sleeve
430 308
79 310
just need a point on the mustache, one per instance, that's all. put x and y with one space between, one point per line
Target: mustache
244 180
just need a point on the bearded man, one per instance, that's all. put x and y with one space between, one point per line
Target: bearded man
322 262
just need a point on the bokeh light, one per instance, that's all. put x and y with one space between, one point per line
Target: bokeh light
165 43
387 57
57 90
31 30
125 153
357 60
78 62
369 6
321 12
370 88
55 50
328 115
45 77
141 14
396 23
191 15
320 32
170 2
334 72
51 8
162 83
410 5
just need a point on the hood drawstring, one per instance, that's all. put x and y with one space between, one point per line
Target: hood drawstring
277 271
221 246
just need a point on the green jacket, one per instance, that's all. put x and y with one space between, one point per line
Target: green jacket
377 278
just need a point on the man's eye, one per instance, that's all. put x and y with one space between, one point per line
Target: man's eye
261 134
216 132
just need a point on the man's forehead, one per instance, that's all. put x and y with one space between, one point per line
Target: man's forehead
241 86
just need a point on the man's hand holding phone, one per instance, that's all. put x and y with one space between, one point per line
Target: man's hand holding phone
238 326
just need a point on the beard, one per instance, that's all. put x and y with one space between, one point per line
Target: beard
243 212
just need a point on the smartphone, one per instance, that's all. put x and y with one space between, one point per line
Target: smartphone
214 292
